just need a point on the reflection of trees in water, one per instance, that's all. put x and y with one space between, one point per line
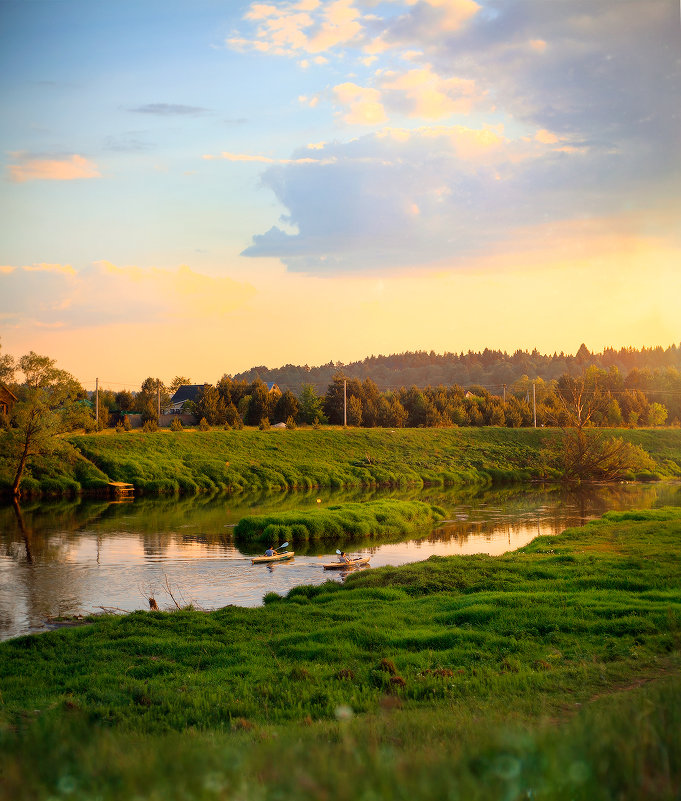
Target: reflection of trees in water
39 591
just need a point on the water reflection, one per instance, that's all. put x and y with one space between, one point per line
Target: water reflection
77 556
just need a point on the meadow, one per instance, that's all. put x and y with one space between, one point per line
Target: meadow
191 462
551 672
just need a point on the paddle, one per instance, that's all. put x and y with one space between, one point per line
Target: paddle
283 546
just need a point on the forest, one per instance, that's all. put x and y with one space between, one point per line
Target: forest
489 368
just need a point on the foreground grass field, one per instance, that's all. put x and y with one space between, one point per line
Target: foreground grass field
522 676
190 462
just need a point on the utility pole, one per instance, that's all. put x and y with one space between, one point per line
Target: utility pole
158 398
97 401
504 393
534 402
345 403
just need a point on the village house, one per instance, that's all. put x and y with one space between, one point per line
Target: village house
7 400
187 392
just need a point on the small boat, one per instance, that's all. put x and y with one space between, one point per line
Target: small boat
364 560
278 557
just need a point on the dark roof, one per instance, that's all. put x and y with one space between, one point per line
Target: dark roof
186 392
270 385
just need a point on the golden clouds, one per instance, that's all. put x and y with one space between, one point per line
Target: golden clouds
364 106
70 168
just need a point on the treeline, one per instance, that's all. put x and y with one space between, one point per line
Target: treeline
604 400
489 368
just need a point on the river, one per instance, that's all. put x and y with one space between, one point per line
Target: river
85 556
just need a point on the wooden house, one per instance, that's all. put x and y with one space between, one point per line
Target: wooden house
7 400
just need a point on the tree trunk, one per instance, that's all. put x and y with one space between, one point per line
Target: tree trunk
16 492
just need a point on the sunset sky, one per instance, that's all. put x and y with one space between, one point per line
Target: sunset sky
195 188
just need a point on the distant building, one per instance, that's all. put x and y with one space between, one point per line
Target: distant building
7 400
187 392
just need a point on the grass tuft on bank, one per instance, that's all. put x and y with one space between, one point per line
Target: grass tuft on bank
340 522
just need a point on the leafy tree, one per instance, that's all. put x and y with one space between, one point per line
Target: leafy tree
7 368
287 406
146 400
354 411
311 406
334 403
125 400
42 411
262 404
177 382
211 406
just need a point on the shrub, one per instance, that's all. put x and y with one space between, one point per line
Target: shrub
264 424
176 424
150 426
127 425
290 423
203 424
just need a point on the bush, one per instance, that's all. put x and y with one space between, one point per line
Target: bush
290 423
203 425
176 424
264 424
150 426
127 425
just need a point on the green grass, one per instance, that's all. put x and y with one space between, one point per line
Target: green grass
340 522
453 675
192 462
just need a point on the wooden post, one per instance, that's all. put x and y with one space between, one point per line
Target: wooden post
345 403
534 402
158 399
97 401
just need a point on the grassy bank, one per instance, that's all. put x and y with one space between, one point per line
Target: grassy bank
440 679
342 521
190 462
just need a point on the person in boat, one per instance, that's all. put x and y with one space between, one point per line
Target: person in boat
344 557
270 552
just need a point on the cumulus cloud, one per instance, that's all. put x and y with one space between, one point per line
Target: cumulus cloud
404 196
589 97
28 167
58 296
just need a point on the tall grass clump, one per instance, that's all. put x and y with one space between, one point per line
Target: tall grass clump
339 521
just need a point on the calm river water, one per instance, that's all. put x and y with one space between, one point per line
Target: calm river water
82 556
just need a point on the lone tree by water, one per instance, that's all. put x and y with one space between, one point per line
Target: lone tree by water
45 409
587 454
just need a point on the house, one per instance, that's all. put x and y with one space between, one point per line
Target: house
187 392
272 387
7 400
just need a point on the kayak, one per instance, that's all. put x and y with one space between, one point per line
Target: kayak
279 557
345 565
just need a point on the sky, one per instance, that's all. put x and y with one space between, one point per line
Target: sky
196 188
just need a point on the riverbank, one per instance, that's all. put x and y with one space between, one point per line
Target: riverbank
474 673
192 462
